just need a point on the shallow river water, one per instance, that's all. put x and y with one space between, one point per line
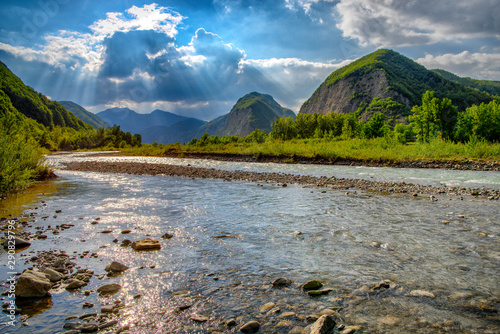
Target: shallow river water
232 239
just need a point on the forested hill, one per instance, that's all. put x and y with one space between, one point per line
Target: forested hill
489 86
388 76
86 116
36 105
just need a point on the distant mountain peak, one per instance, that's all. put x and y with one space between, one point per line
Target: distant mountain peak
252 111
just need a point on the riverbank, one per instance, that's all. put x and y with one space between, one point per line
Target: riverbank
278 178
374 152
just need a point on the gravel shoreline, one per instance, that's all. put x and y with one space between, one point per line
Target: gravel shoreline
282 179
318 160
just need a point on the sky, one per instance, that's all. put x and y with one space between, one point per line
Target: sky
198 57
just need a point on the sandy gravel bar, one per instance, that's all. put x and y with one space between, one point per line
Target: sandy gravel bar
278 178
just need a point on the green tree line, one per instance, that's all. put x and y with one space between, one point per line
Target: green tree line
432 119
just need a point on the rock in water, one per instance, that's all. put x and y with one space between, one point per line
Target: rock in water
109 288
420 293
250 327
116 267
54 276
17 243
32 283
321 292
74 283
312 285
167 236
280 282
324 325
146 244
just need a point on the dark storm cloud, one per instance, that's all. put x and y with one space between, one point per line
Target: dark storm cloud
125 52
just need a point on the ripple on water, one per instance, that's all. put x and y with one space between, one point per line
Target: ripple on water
231 239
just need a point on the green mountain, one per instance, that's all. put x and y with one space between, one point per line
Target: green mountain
91 119
489 86
36 105
385 81
252 111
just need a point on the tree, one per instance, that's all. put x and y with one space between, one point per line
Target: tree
433 117
423 117
376 127
479 122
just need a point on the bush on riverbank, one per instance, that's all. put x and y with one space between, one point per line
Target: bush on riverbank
21 159
355 148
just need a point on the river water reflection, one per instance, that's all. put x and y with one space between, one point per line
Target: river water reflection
231 239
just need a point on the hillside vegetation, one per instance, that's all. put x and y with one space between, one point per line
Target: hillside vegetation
86 116
36 105
489 86
386 74
31 125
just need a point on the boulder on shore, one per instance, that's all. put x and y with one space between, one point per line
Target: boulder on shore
32 283
146 244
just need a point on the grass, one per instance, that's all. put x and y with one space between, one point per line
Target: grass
366 149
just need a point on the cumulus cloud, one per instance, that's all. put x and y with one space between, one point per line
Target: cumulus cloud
466 64
132 59
386 23
148 17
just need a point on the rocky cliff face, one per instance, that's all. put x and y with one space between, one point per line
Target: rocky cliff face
347 95
396 80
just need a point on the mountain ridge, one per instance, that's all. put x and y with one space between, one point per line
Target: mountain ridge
252 111
131 121
35 105
388 75
85 115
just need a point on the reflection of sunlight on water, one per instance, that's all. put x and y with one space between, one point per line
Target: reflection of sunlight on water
231 239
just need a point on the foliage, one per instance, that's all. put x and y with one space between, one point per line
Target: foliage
387 106
409 79
20 156
41 126
479 123
376 127
489 86
433 116
36 105
88 117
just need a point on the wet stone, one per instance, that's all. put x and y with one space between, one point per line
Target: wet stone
281 282
250 327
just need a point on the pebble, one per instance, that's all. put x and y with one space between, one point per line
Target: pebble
281 282
250 327
420 293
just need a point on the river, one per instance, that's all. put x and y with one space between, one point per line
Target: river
232 239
